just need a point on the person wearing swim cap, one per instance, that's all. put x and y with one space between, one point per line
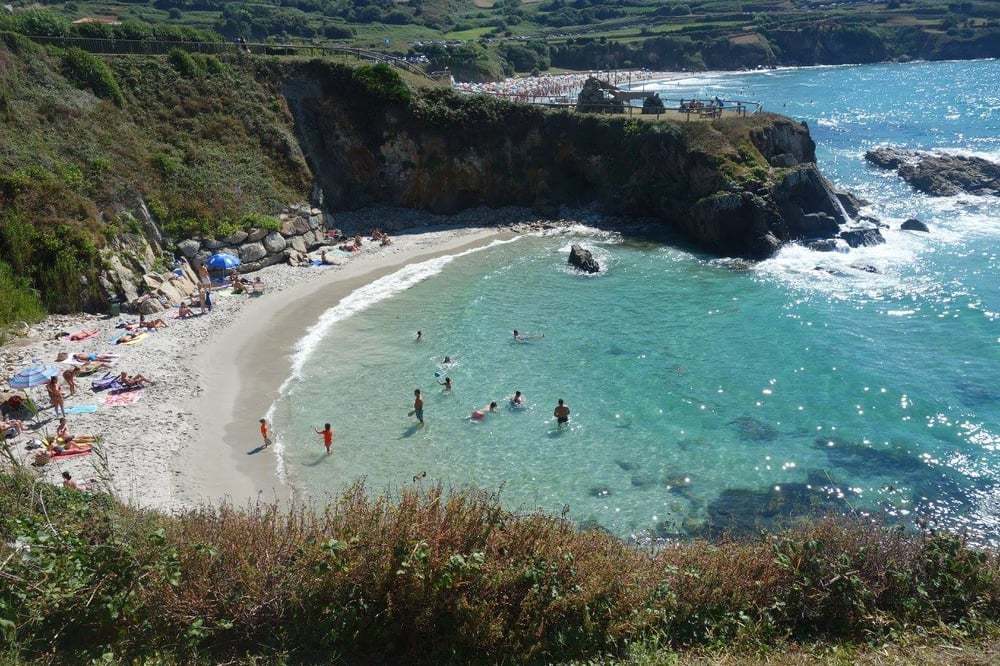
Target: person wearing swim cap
561 413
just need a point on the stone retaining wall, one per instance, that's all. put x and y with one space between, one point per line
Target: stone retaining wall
303 229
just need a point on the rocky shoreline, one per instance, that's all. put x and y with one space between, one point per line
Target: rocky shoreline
939 174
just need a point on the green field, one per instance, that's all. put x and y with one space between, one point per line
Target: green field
484 39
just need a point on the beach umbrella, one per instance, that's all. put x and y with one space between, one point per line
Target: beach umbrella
220 261
34 375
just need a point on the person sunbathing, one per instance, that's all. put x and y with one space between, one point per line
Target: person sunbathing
93 358
185 312
132 381
128 337
152 324
11 428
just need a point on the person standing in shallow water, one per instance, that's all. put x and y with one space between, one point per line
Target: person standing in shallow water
265 433
327 433
418 406
561 413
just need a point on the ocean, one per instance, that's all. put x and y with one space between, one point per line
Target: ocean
706 395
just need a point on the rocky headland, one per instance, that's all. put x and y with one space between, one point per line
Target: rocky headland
940 174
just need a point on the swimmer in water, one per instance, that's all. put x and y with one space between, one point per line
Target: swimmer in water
447 385
420 336
517 400
521 337
418 406
561 413
480 414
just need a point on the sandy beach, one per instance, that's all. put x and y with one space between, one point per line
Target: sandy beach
190 438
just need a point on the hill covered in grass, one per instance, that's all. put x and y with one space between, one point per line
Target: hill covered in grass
436 578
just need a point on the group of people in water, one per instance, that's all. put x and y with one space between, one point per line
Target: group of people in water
515 401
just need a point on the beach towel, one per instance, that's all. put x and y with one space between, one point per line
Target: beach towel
81 409
82 335
138 339
104 383
122 399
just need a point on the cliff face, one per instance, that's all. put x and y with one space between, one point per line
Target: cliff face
734 187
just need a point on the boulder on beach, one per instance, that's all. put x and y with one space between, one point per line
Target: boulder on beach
583 260
914 224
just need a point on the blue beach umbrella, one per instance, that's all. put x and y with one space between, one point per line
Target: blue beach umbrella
220 261
34 375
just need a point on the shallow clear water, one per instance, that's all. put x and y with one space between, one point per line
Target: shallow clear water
704 396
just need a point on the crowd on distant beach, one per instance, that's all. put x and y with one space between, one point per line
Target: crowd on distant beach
553 86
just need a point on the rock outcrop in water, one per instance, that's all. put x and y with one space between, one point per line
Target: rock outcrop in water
940 174
583 260
914 224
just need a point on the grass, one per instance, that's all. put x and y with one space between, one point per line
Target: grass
434 577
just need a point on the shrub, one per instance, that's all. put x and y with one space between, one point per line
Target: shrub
431 577
89 71
184 63
18 301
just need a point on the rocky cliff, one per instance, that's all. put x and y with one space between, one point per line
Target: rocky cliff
737 187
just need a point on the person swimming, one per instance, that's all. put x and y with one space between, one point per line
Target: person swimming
447 385
517 400
480 414
523 337
420 336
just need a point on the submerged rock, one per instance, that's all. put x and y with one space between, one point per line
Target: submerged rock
627 465
599 491
940 174
743 511
583 260
914 224
755 430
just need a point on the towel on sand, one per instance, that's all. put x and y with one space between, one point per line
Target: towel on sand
81 409
122 399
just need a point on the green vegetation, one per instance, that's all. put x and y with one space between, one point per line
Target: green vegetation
435 578
18 301
498 37
208 145
88 71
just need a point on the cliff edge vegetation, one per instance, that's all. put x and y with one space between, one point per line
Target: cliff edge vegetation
106 163
454 578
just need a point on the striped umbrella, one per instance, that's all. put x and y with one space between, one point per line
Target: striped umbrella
34 375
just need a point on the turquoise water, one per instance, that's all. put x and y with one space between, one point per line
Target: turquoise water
704 395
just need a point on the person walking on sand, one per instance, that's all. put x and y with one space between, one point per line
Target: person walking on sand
265 433
418 406
70 377
561 413
327 433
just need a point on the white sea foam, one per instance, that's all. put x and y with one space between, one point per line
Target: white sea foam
358 300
